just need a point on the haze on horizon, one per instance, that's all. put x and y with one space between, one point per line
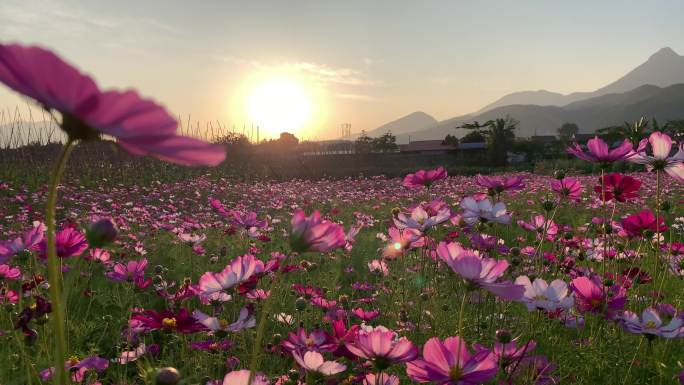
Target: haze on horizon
364 63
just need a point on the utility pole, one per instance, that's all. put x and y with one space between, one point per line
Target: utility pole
346 134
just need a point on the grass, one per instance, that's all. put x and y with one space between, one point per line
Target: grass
418 298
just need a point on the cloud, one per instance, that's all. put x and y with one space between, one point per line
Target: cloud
360 97
50 20
317 72
323 73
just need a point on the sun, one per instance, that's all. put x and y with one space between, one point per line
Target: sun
279 105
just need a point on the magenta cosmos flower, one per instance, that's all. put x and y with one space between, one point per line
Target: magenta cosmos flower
70 242
591 296
499 184
569 188
424 178
450 363
661 144
638 225
168 321
600 153
139 125
315 234
618 186
382 346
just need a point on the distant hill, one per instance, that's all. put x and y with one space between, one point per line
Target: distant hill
665 103
415 121
663 68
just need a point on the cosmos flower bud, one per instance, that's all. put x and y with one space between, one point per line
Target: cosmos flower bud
665 206
167 376
559 174
30 336
503 336
300 303
101 232
515 251
548 205
396 211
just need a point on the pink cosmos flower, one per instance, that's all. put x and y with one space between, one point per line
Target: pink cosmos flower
132 271
317 340
245 320
592 297
540 225
378 266
314 234
450 363
482 210
140 126
380 379
650 324
568 187
382 346
239 270
402 240
499 184
248 220
78 368
661 144
31 238
10 273
241 377
600 153
482 272
424 178
99 255
314 362
365 315
8 296
70 242
541 295
420 219
618 186
636 224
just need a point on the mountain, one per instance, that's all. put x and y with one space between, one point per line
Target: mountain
539 97
664 103
415 121
663 68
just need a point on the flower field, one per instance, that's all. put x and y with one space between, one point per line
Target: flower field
430 278
203 270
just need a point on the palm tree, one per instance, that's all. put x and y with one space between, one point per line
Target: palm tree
499 134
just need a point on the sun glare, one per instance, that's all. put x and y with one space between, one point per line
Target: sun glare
279 105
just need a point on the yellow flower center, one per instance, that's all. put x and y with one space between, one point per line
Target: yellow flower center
650 325
169 323
455 373
223 323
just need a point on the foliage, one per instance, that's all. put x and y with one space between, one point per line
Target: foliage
500 134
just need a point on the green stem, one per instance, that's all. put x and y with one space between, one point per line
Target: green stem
256 349
54 273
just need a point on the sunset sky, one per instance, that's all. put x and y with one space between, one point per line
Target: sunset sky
333 62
